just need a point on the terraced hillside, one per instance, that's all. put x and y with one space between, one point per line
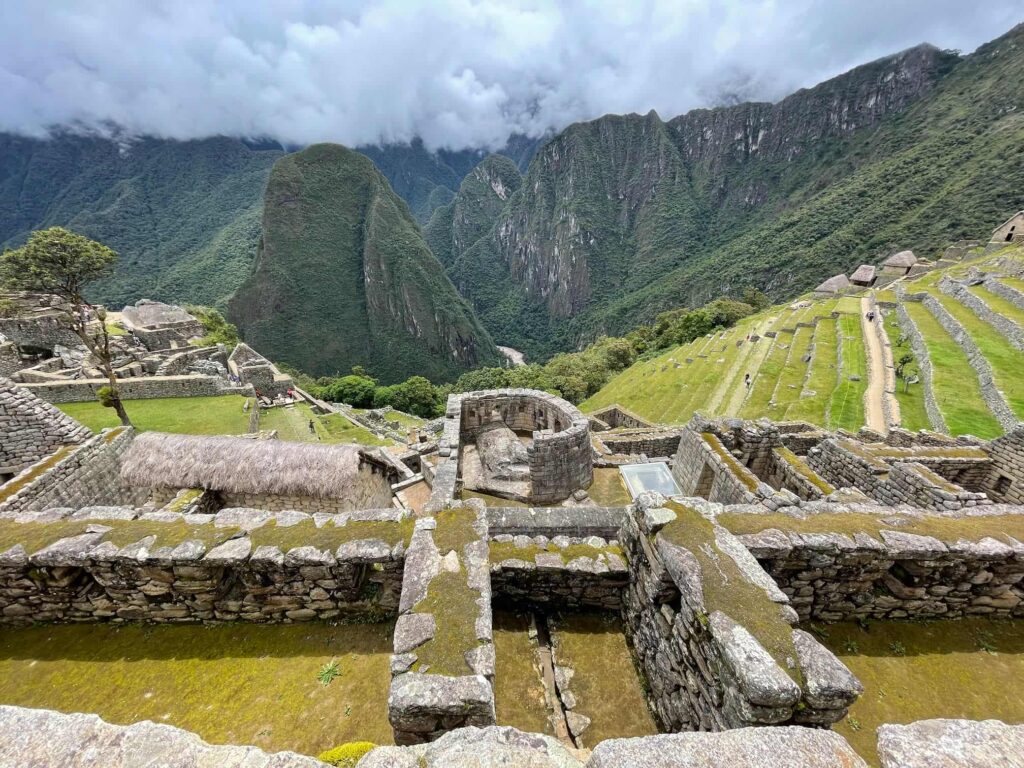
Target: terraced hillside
956 333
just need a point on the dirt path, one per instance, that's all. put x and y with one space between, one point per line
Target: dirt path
874 413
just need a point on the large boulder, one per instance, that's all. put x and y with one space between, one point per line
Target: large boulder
951 744
502 453
491 747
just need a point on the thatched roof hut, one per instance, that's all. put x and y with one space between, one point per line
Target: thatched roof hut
901 260
240 465
835 284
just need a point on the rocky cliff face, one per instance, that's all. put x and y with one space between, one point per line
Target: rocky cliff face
343 278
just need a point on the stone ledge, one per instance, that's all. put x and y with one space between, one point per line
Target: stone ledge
951 744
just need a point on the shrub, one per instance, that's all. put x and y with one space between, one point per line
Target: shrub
218 330
347 755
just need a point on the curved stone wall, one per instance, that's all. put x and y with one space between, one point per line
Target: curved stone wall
561 458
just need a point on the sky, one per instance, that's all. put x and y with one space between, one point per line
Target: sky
455 73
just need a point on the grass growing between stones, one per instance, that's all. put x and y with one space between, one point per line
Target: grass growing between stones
998 304
518 689
1006 361
954 382
846 408
608 490
913 415
292 424
235 684
606 684
954 669
220 415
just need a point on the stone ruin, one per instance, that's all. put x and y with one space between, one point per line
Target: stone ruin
776 523
153 358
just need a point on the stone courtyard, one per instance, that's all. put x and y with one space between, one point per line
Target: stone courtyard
775 528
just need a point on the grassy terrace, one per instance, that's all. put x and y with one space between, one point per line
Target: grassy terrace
846 407
998 304
913 415
1006 361
221 415
292 424
518 689
237 684
920 670
954 382
821 379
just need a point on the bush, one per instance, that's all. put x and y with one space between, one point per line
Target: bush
347 755
218 330
357 391
105 395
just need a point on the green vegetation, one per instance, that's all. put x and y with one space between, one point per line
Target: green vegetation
954 382
261 681
846 409
963 665
218 330
910 397
220 415
518 690
998 304
343 277
605 682
329 537
822 377
292 424
347 755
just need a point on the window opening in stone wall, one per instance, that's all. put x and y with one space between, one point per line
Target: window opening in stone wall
705 481
1009 235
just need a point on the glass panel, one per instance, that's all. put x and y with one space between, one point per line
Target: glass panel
649 477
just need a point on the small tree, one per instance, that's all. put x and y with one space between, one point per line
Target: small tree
60 262
906 371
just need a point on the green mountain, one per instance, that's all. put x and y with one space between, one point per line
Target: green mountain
622 217
343 277
184 215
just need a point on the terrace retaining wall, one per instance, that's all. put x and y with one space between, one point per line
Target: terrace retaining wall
138 388
924 365
1010 330
32 428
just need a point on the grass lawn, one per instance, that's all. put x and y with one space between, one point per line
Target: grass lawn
767 376
292 424
221 415
791 382
928 669
913 415
998 304
518 690
954 382
1006 361
846 408
822 379
231 684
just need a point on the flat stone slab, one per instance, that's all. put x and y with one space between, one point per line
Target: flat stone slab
491 747
952 744
41 737
771 747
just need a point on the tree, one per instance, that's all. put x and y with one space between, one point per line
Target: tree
905 372
357 391
63 263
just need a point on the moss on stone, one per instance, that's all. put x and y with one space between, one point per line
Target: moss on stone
727 589
183 499
803 470
945 529
123 533
518 688
329 536
453 605
454 529
37 470
507 550
742 473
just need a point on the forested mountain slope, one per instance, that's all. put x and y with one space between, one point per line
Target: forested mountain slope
343 277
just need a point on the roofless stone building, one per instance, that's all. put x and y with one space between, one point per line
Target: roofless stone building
773 525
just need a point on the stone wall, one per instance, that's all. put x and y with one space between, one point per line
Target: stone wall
1010 330
872 566
562 572
650 443
112 564
560 455
702 616
368 490
924 366
443 662
1005 482
43 330
615 416
141 388
10 360
990 393
1009 293
31 428
74 476
179 362
789 471
556 521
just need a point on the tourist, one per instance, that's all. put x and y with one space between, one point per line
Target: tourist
746 380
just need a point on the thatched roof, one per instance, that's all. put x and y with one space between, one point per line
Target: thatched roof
238 465
903 259
833 285
865 273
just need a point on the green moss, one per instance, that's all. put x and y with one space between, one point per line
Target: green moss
36 536
948 669
727 589
329 537
803 470
608 490
454 529
743 474
347 755
606 684
518 688
232 683
501 551
453 605
945 529
11 487
183 499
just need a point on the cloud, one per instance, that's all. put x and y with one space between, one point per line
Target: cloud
456 73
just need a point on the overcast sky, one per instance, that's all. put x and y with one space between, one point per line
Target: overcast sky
455 72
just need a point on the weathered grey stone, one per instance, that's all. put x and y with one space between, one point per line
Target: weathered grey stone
493 747
774 747
39 737
412 630
828 684
951 744
760 678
